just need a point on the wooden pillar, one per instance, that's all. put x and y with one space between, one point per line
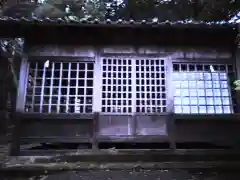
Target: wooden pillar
18 106
3 110
237 56
4 83
171 128
95 131
22 85
15 140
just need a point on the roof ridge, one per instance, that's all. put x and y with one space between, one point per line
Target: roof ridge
69 20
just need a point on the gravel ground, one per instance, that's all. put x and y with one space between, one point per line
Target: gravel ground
134 175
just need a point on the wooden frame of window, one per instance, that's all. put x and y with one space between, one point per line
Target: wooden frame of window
129 53
137 130
215 93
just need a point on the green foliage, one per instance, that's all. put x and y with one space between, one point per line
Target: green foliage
11 48
172 10
237 85
209 10
75 9
94 9
48 10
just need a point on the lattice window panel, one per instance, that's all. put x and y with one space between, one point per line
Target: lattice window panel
150 86
141 81
202 88
60 87
117 85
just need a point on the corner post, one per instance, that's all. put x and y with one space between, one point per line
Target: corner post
21 93
15 140
22 85
237 56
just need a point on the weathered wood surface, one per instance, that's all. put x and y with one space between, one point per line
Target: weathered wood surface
54 50
214 129
237 55
153 152
7 100
174 53
122 35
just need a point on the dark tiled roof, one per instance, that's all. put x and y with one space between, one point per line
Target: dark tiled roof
119 22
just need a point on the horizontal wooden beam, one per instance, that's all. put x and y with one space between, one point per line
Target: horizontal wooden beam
154 152
135 139
67 116
54 117
56 139
207 117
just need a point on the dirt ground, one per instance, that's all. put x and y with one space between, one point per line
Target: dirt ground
132 175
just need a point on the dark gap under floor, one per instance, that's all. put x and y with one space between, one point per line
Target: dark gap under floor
201 145
108 145
61 146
